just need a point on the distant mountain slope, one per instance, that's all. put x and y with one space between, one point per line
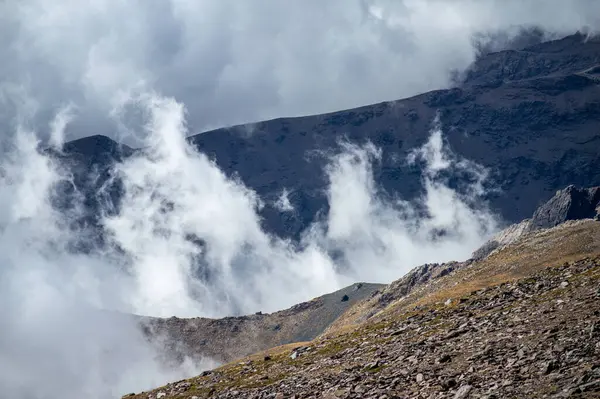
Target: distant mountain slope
230 338
567 56
531 116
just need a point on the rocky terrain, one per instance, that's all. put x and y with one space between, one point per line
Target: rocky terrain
521 321
529 115
496 336
229 338
571 203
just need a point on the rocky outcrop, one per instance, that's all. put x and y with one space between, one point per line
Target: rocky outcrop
501 239
572 203
419 276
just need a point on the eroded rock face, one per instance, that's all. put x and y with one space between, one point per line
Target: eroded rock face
572 203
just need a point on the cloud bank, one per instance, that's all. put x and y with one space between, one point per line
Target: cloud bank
61 334
187 240
232 62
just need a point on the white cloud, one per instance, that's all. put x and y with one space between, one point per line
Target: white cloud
188 240
283 203
194 243
381 239
232 62
57 338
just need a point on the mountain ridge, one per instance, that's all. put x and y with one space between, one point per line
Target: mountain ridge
535 136
229 338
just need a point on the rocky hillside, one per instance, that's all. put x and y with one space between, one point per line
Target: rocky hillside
522 257
571 203
234 337
230 338
520 321
530 115
528 330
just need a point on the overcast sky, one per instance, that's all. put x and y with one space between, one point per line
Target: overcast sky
234 61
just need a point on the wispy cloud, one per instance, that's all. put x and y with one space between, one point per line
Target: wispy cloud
188 241
231 62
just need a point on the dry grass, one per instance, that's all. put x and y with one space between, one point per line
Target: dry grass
533 253
528 256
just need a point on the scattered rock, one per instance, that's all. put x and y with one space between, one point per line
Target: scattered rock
360 389
183 386
510 340
550 366
373 365
448 383
445 358
463 392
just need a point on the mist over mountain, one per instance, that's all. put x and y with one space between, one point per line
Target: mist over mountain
112 204
528 116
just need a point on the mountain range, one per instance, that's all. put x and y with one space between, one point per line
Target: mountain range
517 319
529 116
